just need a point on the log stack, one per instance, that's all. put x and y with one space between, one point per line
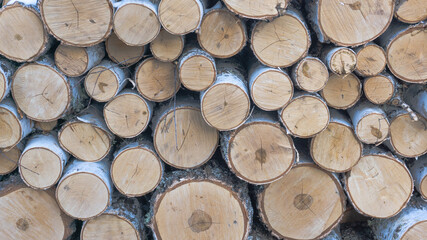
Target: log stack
213 119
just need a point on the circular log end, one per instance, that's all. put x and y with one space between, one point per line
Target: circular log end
180 17
197 73
72 61
408 137
121 53
311 74
167 47
372 128
9 160
371 60
11 129
378 89
109 226
342 92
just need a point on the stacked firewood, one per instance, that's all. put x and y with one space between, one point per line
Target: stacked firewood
204 119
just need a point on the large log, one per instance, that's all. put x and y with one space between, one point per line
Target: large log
23 36
259 151
257 9
167 47
411 11
81 23
7 69
9 159
419 173
31 214
340 60
342 91
370 60
380 89
310 74
121 53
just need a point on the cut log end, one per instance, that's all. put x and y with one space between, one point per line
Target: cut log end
9 160
121 53
343 61
342 92
167 47
197 73
258 9
109 226
11 128
378 89
371 60
372 128
310 74
45 126
180 17
72 61
102 83
411 11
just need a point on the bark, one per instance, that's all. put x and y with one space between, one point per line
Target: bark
7 69
419 173
416 97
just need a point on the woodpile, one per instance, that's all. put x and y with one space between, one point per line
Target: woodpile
213 119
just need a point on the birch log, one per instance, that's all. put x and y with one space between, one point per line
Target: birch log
31 214
340 60
370 60
342 91
381 88
121 53
23 36
416 97
7 69
419 173
257 9
167 47
411 11
81 23
310 74
9 159
85 189
45 127
42 161
379 185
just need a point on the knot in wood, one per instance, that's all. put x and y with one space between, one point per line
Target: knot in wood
303 201
200 221
22 224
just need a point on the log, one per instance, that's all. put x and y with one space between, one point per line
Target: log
310 74
121 53
85 189
405 51
416 97
7 69
122 220
294 207
259 151
340 60
359 22
381 88
23 36
128 114
379 185
370 60
281 42
342 91
105 81
411 223
419 173
136 169
370 122
86 137
155 80
336 149
135 22
9 160
167 47
196 69
31 214
226 104
14 127
81 23
76 61
42 161
257 9
203 203
45 127
270 88
305 116
410 11
222 34
181 137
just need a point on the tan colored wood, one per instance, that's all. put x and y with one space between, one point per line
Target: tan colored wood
222 34
72 61
46 126
155 80
305 116
121 53
307 203
10 129
379 185
257 9
372 128
9 160
109 227
416 232
340 60
167 47
281 42
22 34
342 92
310 74
79 22
180 17
411 11
378 89
370 60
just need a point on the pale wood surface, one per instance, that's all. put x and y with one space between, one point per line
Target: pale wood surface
256 9
109 227
121 53
46 126
370 60
411 11
180 17
342 92
340 60
379 89
310 74
9 160
7 69
167 47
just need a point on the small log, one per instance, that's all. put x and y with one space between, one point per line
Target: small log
370 122
359 22
86 137
416 97
305 116
411 223
167 47
85 189
310 74
45 127
336 149
23 36
370 60
81 23
76 61
196 69
31 214
181 137
259 151
270 88
121 53
408 65
381 88
7 69
105 81
342 91
283 41
257 9
130 15
379 185
122 220
136 169
340 60
14 127
419 173
411 11
9 159
222 34
226 104
295 206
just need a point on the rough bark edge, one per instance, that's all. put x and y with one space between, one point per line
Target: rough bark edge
419 173
7 70
294 73
359 49
416 97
